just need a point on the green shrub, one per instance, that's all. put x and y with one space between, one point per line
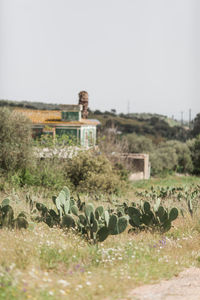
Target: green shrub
184 159
171 156
196 126
163 158
194 146
139 144
45 173
15 140
90 172
46 140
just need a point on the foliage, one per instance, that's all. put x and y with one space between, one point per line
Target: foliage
44 261
196 125
97 224
15 140
157 218
59 141
171 155
156 126
139 144
93 172
94 224
7 217
195 153
188 195
184 160
46 173
85 172
163 158
30 104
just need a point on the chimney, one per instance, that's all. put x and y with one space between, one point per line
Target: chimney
83 100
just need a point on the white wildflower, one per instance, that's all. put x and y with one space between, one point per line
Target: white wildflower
63 282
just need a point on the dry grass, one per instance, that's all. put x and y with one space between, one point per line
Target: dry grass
43 263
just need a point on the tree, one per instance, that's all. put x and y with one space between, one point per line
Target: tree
113 111
184 162
139 144
196 127
15 140
163 158
195 149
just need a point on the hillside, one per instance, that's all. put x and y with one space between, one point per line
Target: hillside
29 104
152 125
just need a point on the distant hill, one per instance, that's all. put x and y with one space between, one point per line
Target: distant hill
148 116
29 104
157 127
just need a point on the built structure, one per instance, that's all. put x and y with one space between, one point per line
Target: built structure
70 120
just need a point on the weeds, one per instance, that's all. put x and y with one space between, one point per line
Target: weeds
45 263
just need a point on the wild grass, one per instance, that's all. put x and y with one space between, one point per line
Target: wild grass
44 262
170 180
50 263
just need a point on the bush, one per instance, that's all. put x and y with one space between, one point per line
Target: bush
184 159
194 146
90 172
171 156
139 144
163 159
46 173
15 140
196 125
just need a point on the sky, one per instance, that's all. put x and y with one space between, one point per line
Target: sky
141 52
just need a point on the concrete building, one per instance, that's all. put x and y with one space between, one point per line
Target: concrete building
70 120
139 165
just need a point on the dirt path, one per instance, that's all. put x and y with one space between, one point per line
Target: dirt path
186 286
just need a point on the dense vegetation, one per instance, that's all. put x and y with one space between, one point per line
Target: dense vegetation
95 170
20 165
29 104
171 148
157 127
107 234
15 140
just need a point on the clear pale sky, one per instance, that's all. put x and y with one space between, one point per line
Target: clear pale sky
142 51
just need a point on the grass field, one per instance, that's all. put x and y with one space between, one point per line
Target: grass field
50 263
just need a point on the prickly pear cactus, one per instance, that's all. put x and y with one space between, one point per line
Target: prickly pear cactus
157 218
63 201
94 224
7 217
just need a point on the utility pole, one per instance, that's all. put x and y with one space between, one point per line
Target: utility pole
181 118
128 107
190 114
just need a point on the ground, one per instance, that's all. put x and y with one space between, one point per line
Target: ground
43 263
184 286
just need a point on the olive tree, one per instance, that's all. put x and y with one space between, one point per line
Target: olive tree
15 140
196 127
194 146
